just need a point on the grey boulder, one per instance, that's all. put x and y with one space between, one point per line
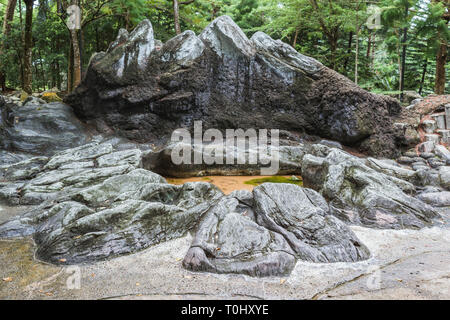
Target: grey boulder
40 129
262 234
362 195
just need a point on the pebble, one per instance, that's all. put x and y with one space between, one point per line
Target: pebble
405 160
427 155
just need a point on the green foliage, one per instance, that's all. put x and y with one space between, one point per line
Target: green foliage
275 179
318 28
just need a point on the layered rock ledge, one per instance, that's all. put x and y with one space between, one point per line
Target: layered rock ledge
96 202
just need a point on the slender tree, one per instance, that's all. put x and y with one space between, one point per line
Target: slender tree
442 54
74 37
176 13
9 15
28 46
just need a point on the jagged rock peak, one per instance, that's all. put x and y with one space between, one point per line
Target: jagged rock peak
225 37
130 51
285 52
183 48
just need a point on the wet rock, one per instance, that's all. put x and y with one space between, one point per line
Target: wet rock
183 50
443 153
427 177
262 234
40 178
444 176
412 136
41 129
427 147
127 55
289 158
121 215
332 144
360 194
225 38
228 240
410 154
429 126
302 216
95 202
436 199
419 160
393 169
426 155
436 163
8 158
405 160
420 166
24 170
227 81
430 189
80 154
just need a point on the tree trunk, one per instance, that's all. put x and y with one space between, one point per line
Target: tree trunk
70 69
294 43
176 16
402 75
441 57
372 55
424 72
333 48
76 58
441 60
349 51
44 80
369 47
9 15
76 54
357 57
27 56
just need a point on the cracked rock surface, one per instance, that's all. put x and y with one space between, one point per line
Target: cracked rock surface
362 195
96 202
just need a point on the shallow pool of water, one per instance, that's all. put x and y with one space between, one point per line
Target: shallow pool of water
7 213
228 184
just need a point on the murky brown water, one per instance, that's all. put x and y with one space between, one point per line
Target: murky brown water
227 184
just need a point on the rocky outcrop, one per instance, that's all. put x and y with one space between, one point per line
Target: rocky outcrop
227 81
368 192
289 156
229 240
262 234
96 202
38 128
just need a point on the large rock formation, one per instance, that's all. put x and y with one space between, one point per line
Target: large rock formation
96 202
227 81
